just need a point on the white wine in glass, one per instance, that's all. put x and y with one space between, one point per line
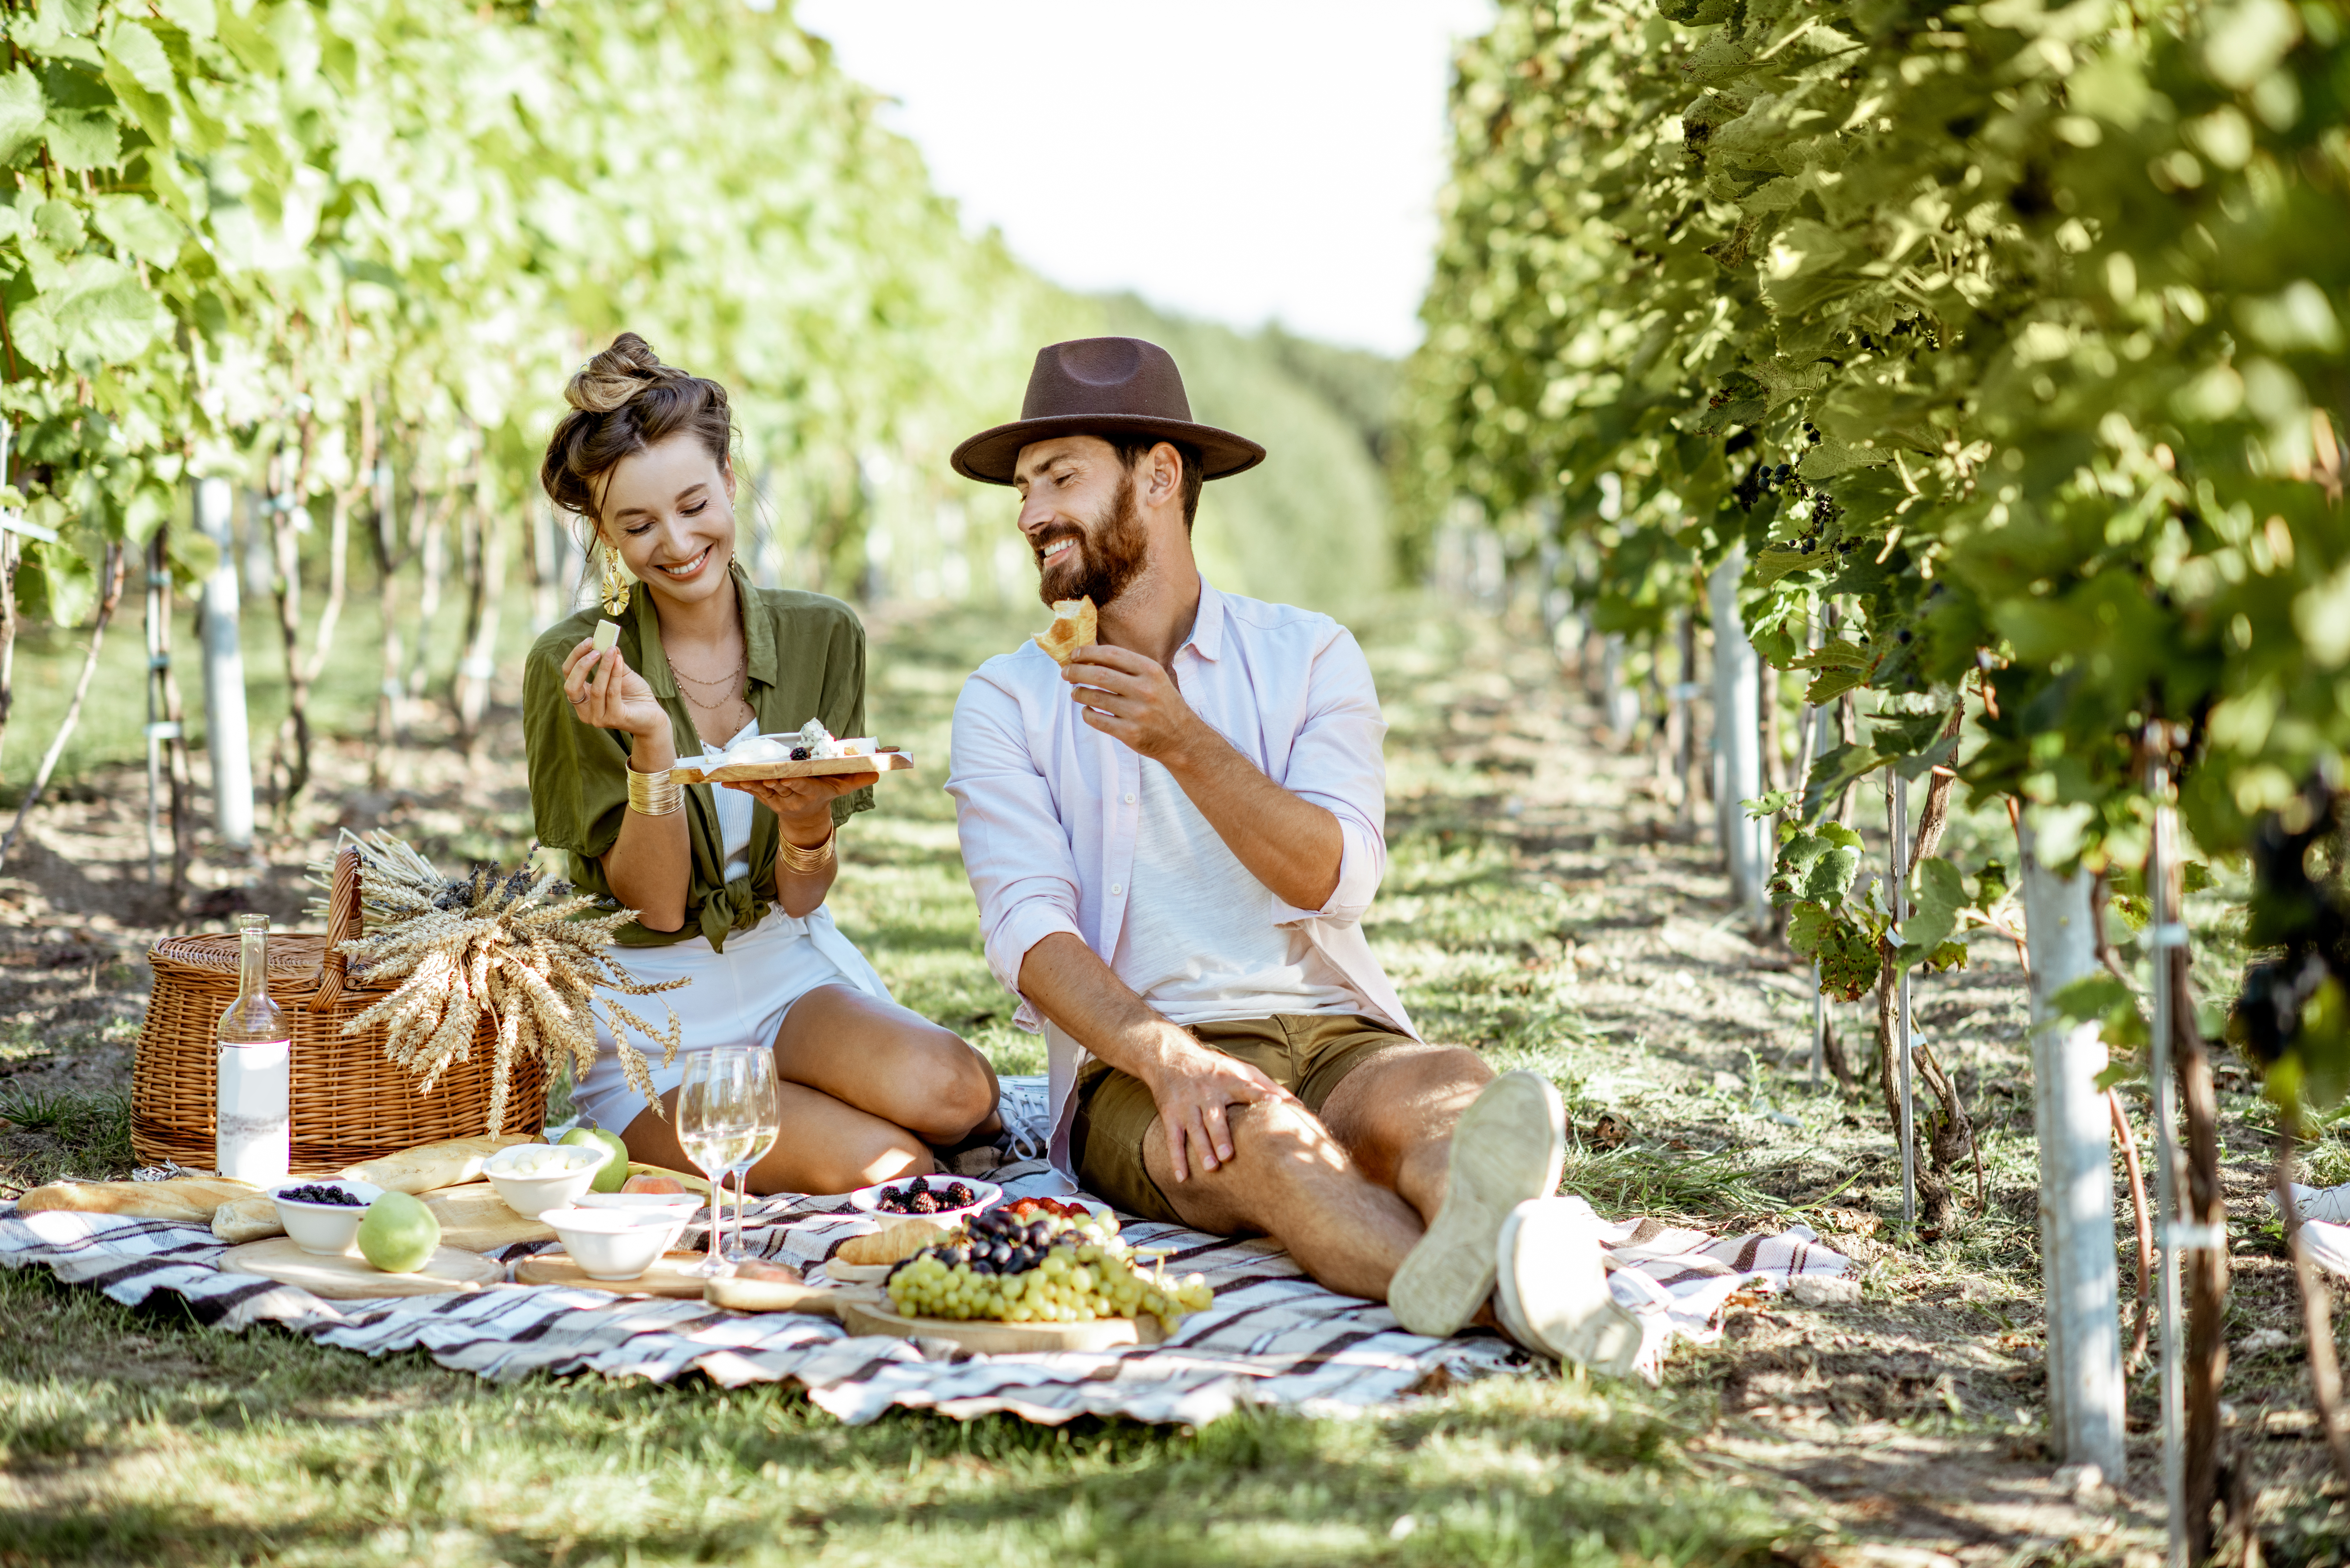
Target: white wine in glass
768 1123
717 1126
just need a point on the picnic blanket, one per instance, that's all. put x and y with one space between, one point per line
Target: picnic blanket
1274 1336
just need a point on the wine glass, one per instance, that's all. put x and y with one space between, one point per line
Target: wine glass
765 1102
716 1127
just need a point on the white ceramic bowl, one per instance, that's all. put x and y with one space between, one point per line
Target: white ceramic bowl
569 1168
325 1229
683 1205
614 1243
869 1198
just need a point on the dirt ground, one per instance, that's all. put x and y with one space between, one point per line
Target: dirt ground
1910 1418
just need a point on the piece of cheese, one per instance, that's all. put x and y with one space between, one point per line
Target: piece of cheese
607 635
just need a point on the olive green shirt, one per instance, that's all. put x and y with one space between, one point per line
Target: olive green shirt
805 659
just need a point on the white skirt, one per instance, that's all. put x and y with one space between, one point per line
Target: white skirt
737 997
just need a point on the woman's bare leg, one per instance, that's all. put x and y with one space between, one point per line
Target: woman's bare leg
826 1146
888 1061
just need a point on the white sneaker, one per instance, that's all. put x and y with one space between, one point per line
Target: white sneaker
1552 1292
1507 1148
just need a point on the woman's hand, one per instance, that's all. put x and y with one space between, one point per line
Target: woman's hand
803 806
604 691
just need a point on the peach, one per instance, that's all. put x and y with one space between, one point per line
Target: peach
668 1184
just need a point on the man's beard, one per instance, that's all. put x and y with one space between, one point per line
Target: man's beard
1110 553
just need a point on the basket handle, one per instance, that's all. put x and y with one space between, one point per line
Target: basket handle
342 924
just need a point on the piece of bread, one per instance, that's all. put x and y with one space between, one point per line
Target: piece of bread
450 1163
1075 625
895 1244
246 1220
192 1198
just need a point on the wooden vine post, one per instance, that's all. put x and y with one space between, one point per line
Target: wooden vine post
227 740
1737 745
2076 1184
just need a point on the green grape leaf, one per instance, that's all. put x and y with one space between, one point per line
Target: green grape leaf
1938 896
140 228
22 111
83 138
103 316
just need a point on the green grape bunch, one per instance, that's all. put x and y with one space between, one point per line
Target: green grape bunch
1000 1267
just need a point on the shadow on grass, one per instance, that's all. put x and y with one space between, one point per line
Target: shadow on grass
132 1435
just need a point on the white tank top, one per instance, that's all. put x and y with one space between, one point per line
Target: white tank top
1199 943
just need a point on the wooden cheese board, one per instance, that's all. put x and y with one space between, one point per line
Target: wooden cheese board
350 1277
737 1294
667 1277
815 767
863 1316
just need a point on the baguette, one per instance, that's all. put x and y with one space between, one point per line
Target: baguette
189 1198
246 1220
450 1163
1075 625
894 1245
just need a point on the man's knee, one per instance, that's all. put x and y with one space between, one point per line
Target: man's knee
1273 1134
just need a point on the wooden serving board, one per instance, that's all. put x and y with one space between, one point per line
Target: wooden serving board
351 1277
983 1339
667 1277
474 1219
780 1296
815 767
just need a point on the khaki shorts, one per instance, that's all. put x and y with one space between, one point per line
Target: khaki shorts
1306 1054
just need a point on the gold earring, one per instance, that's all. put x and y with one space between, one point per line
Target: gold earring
616 586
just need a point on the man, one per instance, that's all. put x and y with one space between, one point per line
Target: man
1173 841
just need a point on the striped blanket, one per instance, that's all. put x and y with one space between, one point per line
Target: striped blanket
1273 1337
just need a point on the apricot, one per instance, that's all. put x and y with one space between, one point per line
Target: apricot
665 1184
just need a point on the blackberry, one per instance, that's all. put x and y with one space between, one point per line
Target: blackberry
339 1196
922 1203
799 754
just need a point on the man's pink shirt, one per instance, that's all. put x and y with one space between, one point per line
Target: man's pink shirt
1046 806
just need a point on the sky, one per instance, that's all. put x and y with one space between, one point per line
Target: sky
1257 161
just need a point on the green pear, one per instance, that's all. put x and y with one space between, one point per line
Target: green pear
398 1234
613 1171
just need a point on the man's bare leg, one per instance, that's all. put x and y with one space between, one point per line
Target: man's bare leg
1290 1179
1394 1116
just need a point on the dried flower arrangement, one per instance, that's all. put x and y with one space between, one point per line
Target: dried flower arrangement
515 947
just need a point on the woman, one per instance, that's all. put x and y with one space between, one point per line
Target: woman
728 883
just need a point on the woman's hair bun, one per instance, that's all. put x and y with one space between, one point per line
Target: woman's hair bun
623 402
617 374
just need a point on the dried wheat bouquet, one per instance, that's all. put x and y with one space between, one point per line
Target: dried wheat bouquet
521 951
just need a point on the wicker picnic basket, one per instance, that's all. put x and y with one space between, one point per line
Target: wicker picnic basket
349 1103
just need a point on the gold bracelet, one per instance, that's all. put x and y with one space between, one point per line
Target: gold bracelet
654 794
807 862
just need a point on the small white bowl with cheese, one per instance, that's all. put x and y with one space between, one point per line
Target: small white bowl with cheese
534 1177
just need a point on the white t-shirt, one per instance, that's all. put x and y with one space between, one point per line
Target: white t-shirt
734 809
1199 943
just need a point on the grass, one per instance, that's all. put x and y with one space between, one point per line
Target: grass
90 1130
143 1436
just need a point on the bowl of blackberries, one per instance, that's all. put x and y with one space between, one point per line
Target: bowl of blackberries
323 1217
932 1197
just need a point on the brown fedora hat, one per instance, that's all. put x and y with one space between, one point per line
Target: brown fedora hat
1103 387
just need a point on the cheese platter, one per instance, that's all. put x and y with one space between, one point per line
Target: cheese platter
813 767
669 1275
988 1336
347 1276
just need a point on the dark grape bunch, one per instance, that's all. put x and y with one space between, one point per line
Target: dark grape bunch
319 1192
1044 1268
998 1241
2302 914
919 1196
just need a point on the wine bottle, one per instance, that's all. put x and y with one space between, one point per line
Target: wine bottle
254 1135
